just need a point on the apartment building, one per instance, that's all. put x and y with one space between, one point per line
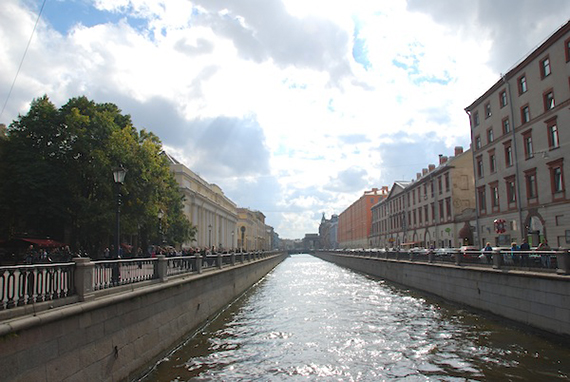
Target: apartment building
354 223
520 139
434 210
206 207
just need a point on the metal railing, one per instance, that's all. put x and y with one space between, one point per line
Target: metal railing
22 285
540 261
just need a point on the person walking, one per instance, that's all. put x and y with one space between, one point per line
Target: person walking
543 247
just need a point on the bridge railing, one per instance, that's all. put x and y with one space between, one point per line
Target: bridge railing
22 285
540 261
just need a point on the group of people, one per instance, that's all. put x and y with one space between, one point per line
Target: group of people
520 255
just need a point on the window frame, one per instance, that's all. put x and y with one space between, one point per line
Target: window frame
527 144
522 84
545 67
552 133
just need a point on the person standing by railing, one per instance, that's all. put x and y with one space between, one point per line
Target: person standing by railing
525 252
544 257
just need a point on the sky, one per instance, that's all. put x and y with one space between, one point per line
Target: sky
293 107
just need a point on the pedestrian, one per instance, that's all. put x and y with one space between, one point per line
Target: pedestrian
514 255
525 253
488 250
543 247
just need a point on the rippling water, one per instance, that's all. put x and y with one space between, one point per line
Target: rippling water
312 320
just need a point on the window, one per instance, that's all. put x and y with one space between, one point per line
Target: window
567 49
446 181
426 214
479 167
476 119
487 110
527 139
439 185
545 67
511 190
494 187
508 154
481 199
522 84
548 98
506 126
525 114
448 207
557 178
433 212
477 142
531 189
490 136
441 215
503 98
552 130
420 216
492 162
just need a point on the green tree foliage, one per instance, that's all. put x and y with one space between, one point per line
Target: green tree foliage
56 167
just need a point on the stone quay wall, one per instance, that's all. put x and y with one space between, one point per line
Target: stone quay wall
116 336
540 300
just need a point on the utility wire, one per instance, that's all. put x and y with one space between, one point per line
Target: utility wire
23 57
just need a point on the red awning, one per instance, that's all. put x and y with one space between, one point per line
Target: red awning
44 243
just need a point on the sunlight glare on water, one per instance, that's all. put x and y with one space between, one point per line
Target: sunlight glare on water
309 319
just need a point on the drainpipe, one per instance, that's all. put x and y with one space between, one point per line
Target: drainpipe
475 177
516 159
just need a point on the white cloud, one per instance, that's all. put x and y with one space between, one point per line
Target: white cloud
293 108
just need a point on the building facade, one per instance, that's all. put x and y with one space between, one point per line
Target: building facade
354 223
207 208
328 232
253 233
520 141
435 210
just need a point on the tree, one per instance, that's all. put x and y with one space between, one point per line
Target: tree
57 166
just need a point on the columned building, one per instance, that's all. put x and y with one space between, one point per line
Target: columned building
354 223
520 142
434 210
206 207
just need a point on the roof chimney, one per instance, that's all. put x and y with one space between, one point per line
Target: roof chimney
418 175
431 167
458 150
442 159
424 171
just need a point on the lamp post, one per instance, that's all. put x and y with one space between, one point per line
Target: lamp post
160 235
233 247
119 177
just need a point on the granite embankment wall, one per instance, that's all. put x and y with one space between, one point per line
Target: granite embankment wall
541 300
116 336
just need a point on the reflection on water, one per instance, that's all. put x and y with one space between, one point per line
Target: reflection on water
309 319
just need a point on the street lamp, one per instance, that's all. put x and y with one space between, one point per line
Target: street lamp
119 177
160 235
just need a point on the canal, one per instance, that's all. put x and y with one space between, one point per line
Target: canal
313 320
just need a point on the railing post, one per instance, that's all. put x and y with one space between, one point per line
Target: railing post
84 278
233 258
198 259
411 254
162 268
497 259
431 256
219 260
563 263
458 256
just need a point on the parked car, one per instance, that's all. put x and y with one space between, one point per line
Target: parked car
445 252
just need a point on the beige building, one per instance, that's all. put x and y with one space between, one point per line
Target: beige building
206 207
252 232
520 141
432 211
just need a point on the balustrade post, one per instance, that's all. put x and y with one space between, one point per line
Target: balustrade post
198 259
84 278
233 258
162 268
411 255
219 260
563 263
458 257
497 259
431 256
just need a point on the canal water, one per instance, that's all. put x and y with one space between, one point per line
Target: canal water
313 320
